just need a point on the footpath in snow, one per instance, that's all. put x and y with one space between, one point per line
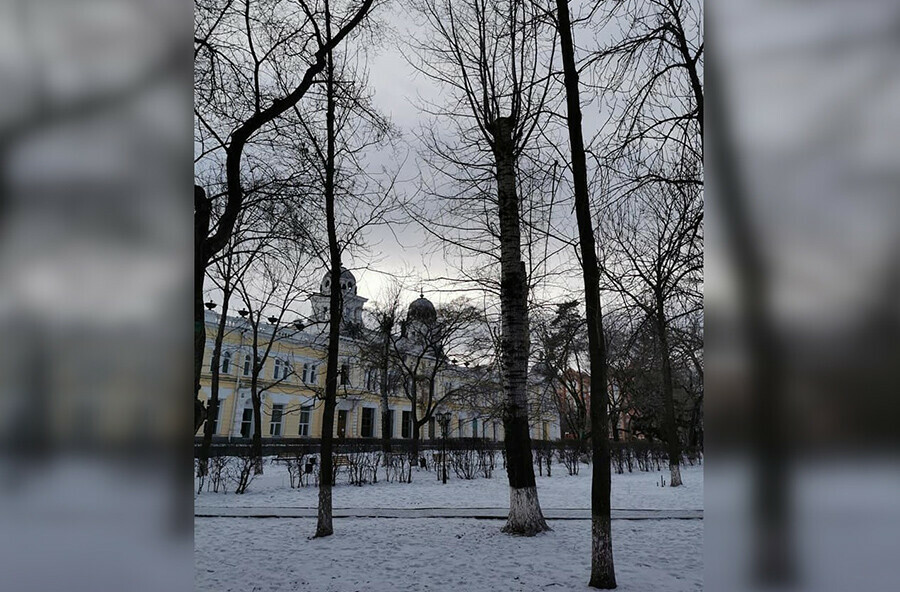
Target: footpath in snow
483 513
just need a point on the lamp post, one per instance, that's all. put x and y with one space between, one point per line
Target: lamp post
444 419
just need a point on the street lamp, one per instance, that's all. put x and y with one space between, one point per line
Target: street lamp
444 419
243 312
210 305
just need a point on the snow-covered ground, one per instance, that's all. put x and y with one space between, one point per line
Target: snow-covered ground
395 554
630 490
380 555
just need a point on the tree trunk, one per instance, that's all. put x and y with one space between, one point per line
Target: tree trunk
671 429
201 230
324 526
414 434
775 556
212 408
525 516
385 385
413 423
256 438
602 569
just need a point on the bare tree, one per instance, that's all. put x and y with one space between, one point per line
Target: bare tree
489 58
251 237
339 129
655 262
270 290
562 359
650 81
602 568
376 353
424 351
254 62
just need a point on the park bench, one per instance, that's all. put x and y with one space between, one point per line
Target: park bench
341 460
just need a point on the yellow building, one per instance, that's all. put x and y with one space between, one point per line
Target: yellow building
293 376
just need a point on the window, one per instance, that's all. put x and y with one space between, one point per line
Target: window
345 374
275 424
405 428
494 427
247 365
247 423
215 413
474 428
461 427
342 423
431 427
309 373
372 380
226 363
279 365
394 381
304 420
368 422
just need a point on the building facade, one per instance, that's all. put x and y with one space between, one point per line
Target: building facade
292 380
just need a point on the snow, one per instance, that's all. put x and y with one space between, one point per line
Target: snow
244 555
415 551
637 490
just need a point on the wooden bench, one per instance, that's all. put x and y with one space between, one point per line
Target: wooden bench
341 460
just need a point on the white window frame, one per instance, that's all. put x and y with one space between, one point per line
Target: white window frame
305 426
241 427
279 425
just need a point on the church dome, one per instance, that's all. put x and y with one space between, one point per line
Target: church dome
348 282
421 309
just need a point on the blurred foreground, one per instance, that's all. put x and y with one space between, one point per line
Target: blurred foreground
802 307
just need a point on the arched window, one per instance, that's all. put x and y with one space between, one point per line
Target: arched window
226 362
247 364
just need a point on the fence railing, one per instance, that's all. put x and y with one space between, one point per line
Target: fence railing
224 446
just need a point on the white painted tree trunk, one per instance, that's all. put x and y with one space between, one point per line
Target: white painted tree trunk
674 475
602 574
525 516
324 527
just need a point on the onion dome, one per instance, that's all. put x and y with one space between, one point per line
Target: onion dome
421 309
